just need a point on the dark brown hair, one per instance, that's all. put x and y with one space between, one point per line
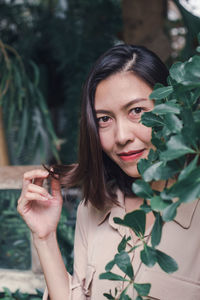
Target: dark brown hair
95 172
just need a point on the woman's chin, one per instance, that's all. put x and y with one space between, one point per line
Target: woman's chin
132 172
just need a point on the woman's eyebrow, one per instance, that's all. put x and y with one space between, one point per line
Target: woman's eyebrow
134 101
127 105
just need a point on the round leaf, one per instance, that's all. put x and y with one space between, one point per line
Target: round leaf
136 220
148 256
166 262
142 289
142 189
123 261
169 213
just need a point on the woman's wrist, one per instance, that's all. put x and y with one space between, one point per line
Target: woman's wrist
46 240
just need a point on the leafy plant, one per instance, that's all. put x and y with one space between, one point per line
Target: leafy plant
15 249
175 122
27 117
8 295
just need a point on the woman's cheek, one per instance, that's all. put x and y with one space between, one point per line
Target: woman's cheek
105 140
146 134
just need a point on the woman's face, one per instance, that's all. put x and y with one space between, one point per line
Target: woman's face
120 101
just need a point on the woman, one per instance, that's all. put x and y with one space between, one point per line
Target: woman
112 140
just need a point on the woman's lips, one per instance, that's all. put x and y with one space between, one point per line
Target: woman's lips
131 155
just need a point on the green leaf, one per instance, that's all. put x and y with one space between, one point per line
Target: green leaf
112 276
149 119
153 155
142 165
166 262
177 71
191 193
142 189
195 95
110 265
175 148
192 67
158 171
187 189
161 93
152 172
123 243
125 297
187 171
196 116
169 213
148 256
136 220
139 298
173 123
158 204
123 261
142 289
166 108
108 296
156 231
189 131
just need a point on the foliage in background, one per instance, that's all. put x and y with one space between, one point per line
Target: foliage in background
175 122
14 238
62 44
8 295
26 117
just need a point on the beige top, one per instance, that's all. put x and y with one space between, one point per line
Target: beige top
96 241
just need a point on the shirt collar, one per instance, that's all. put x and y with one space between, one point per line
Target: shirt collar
185 214
183 217
115 211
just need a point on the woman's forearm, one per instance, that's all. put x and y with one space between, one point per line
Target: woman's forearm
56 276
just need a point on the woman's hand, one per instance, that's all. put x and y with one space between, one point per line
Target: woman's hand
39 209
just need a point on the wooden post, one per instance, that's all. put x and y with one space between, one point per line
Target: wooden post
143 24
4 160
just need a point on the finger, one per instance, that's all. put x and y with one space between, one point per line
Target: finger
35 196
33 188
23 202
39 181
55 188
34 174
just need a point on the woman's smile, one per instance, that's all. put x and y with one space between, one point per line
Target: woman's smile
120 101
131 155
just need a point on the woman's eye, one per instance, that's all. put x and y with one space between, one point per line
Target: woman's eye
137 111
103 121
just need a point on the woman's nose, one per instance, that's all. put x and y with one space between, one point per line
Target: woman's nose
124 132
